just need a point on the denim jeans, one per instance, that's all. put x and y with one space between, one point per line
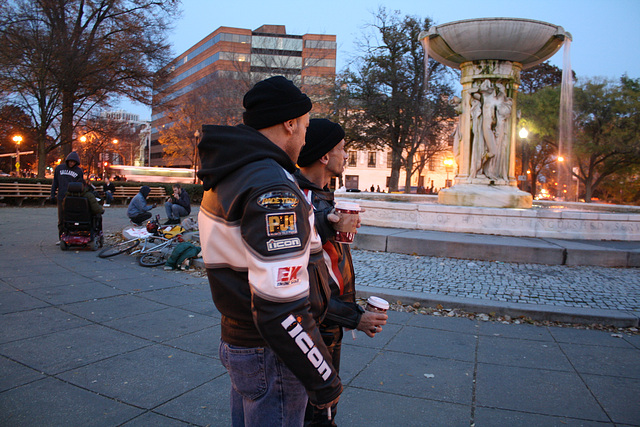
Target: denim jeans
264 392
174 210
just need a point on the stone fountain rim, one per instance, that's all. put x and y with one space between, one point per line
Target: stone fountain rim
437 31
559 28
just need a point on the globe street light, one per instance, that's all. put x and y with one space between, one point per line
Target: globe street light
448 165
17 139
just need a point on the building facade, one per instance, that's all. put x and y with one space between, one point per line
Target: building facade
371 169
241 57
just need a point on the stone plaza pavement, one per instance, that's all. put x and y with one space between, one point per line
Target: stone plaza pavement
90 341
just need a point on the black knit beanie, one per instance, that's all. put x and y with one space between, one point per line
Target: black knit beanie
322 136
272 101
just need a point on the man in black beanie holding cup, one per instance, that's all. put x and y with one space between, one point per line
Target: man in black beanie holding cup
256 230
322 158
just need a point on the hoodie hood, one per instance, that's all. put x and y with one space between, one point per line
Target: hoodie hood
225 149
145 190
73 156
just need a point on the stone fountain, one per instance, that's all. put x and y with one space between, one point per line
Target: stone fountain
490 52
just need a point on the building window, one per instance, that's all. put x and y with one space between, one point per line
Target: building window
319 62
276 43
432 164
371 162
389 160
319 44
353 159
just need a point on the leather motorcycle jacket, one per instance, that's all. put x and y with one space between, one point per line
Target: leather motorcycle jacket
343 310
257 234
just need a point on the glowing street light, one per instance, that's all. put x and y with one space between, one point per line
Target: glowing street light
17 139
448 165
523 133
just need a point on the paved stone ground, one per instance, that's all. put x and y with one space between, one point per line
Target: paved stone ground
584 287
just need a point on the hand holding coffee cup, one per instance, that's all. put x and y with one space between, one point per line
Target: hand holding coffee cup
374 317
348 222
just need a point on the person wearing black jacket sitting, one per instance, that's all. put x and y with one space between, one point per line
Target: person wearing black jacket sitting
69 171
108 189
177 205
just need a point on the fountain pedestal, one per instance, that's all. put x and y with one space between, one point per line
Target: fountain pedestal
491 52
484 144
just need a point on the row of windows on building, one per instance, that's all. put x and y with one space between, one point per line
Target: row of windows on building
372 159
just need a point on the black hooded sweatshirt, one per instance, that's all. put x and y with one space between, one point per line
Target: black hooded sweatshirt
256 230
64 174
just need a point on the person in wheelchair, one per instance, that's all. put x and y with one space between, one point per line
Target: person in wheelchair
82 217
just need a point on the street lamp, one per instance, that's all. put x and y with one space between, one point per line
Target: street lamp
524 133
448 165
17 139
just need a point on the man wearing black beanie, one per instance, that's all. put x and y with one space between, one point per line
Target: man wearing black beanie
257 235
322 158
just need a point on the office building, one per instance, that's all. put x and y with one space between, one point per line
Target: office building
237 58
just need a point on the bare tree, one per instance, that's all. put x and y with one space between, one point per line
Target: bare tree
84 51
391 106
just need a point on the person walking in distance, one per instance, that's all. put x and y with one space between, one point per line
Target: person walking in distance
322 158
256 231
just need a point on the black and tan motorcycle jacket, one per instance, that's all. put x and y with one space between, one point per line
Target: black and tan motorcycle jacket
256 231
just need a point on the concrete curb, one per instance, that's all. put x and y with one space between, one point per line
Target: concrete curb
564 314
499 248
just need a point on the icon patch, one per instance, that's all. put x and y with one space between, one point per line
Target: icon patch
276 245
281 224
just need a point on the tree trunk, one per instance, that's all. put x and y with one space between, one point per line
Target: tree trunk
66 125
42 156
534 179
587 191
396 163
407 179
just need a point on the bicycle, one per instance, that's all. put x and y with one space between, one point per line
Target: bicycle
151 253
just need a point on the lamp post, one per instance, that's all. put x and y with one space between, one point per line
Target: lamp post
448 165
195 155
17 139
523 135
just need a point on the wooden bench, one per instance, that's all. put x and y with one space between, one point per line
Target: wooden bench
22 190
127 193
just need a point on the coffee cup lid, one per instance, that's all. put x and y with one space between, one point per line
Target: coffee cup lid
378 302
347 206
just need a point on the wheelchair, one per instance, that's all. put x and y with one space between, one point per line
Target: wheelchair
80 227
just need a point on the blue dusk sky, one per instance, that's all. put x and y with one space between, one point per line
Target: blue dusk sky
606 33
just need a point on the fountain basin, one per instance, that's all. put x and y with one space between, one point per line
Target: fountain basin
525 41
556 221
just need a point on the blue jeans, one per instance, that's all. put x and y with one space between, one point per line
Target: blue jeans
108 196
174 211
264 392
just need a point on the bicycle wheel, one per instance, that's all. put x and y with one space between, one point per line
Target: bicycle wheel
118 248
153 259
